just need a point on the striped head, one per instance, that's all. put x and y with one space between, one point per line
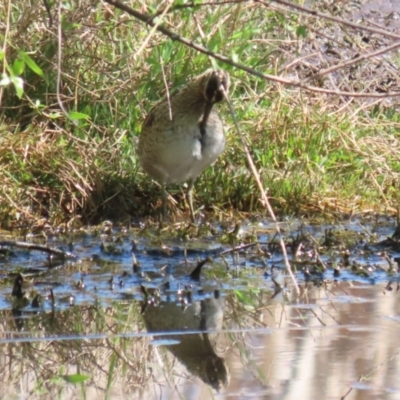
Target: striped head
214 85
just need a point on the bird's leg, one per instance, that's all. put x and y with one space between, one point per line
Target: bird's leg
164 199
189 194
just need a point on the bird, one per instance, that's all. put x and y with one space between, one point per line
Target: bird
183 135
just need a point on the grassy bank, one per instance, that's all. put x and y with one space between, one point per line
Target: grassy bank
315 152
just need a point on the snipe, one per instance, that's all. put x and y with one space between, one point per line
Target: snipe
183 136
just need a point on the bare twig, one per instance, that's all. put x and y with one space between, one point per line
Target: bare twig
59 61
34 246
48 9
238 248
198 5
166 89
362 57
4 47
155 27
264 197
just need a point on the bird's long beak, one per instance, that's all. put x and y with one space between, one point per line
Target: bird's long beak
203 122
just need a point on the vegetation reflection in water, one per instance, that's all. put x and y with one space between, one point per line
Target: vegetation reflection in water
146 328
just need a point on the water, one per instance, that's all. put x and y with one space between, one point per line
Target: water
139 327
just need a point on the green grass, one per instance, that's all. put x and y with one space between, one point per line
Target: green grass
314 153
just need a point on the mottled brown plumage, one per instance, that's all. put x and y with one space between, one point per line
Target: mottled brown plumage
182 137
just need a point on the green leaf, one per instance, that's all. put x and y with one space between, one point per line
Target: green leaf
55 115
75 378
78 115
18 67
243 297
31 64
301 31
19 85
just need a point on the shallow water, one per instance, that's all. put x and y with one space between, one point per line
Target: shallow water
149 331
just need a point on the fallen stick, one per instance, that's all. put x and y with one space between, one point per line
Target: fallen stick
33 246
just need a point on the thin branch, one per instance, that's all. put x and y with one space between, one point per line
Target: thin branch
34 246
198 5
363 57
59 65
155 27
4 47
48 9
167 90
256 175
238 248
59 60
295 83
264 196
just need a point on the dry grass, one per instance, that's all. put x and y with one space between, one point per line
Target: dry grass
314 151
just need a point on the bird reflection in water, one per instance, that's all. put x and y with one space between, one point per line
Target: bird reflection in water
195 350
